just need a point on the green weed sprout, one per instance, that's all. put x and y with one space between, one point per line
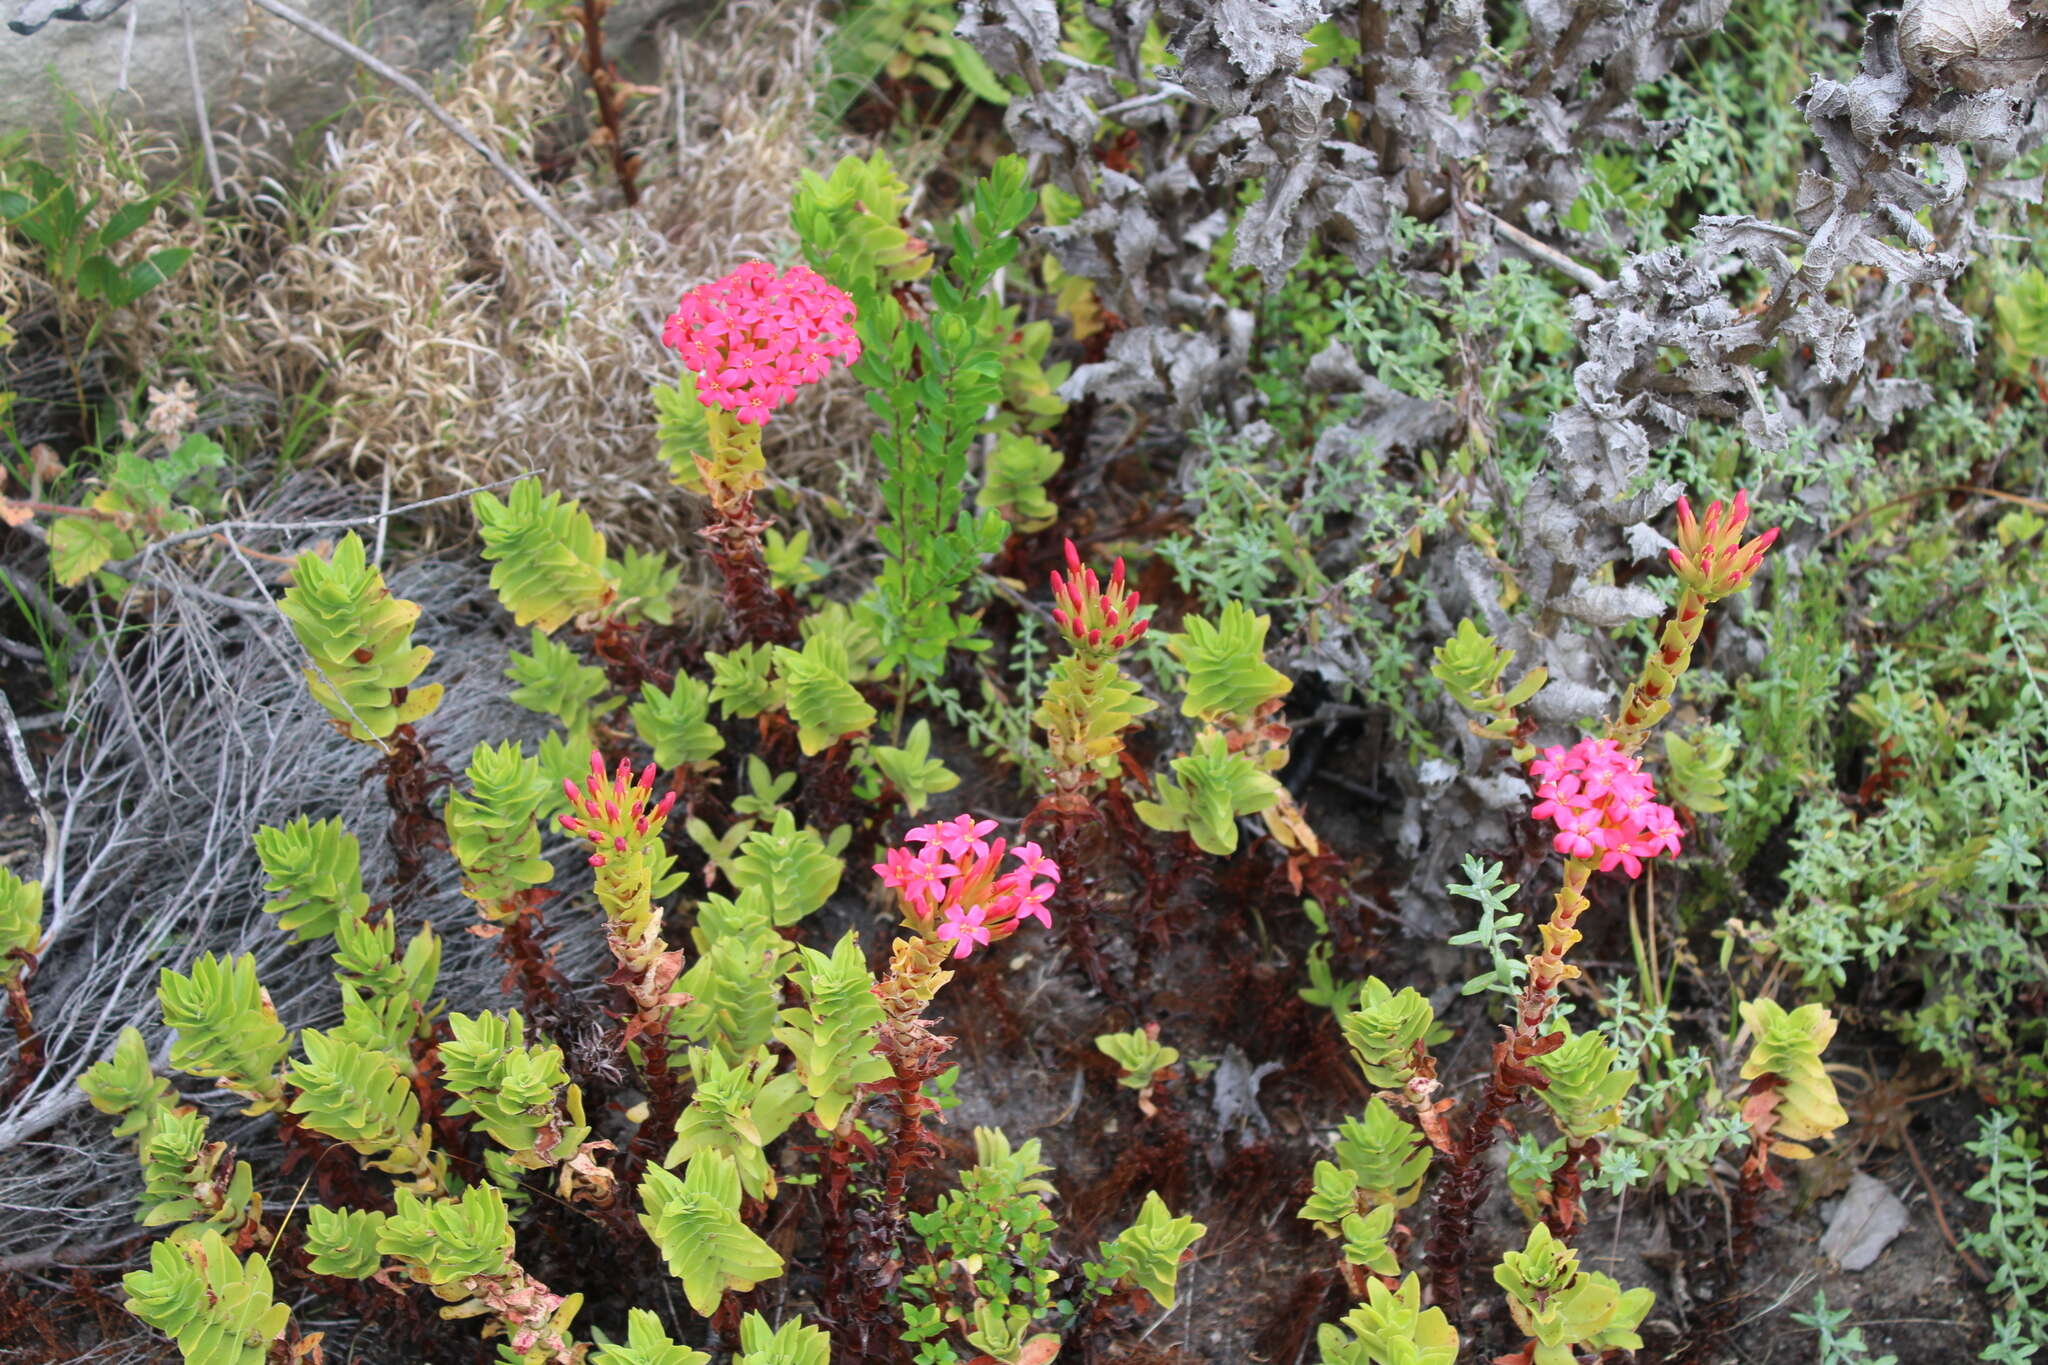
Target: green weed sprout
1390 1328
1565 1309
359 638
694 1221
1089 701
548 557
215 1305
1145 1062
909 769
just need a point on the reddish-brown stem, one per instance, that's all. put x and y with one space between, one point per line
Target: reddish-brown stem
410 777
664 1107
1462 1185
29 1052
611 101
757 613
1567 1209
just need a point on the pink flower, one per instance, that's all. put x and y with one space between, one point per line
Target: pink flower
754 337
1600 799
965 927
1032 862
959 836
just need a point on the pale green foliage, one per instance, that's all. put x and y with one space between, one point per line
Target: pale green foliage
549 557
360 640
796 1342
766 792
2014 1241
737 1110
819 695
644 584
682 431
1496 930
1013 481
911 39
1390 1328
1694 769
1228 678
517 1092
448 1241
743 681
831 1036
494 827
1387 1154
1839 1344
2021 306
695 1223
226 1028
356 1095
127 1086
988 1242
911 769
1586 1086
793 867
1564 1308
1210 788
1139 1053
1148 1252
857 210
676 724
315 876
217 1307
647 1344
21 921
343 1242
182 1176
1386 1031
554 682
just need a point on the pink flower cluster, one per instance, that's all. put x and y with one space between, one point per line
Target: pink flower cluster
1600 799
616 816
955 878
1711 556
754 337
1094 615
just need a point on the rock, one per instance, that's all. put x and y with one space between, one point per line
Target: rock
1863 1224
246 57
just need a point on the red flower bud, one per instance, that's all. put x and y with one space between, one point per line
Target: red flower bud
570 787
1095 637
1073 557
619 842
572 824
597 860
646 776
664 806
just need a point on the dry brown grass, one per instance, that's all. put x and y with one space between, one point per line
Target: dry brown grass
457 339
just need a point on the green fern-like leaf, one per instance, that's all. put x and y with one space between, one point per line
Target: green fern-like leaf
226 1028
494 827
360 640
217 1307
127 1086
695 1223
1210 788
1228 676
343 1242
647 1344
316 876
676 724
549 558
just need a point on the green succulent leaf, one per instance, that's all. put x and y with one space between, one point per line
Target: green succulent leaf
647 1344
549 558
1210 788
1387 1154
737 1110
831 1036
1228 677
1013 482
676 724
1694 771
357 1095
819 695
1139 1053
793 867
1386 1032
695 1223
187 1179
448 1241
1564 1308
226 1028
911 769
494 827
554 682
127 1086
343 1242
796 1342
520 1095
216 1306
21 923
1788 1046
1586 1086
643 586
1148 1252
315 876
360 640
1390 1328
743 681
